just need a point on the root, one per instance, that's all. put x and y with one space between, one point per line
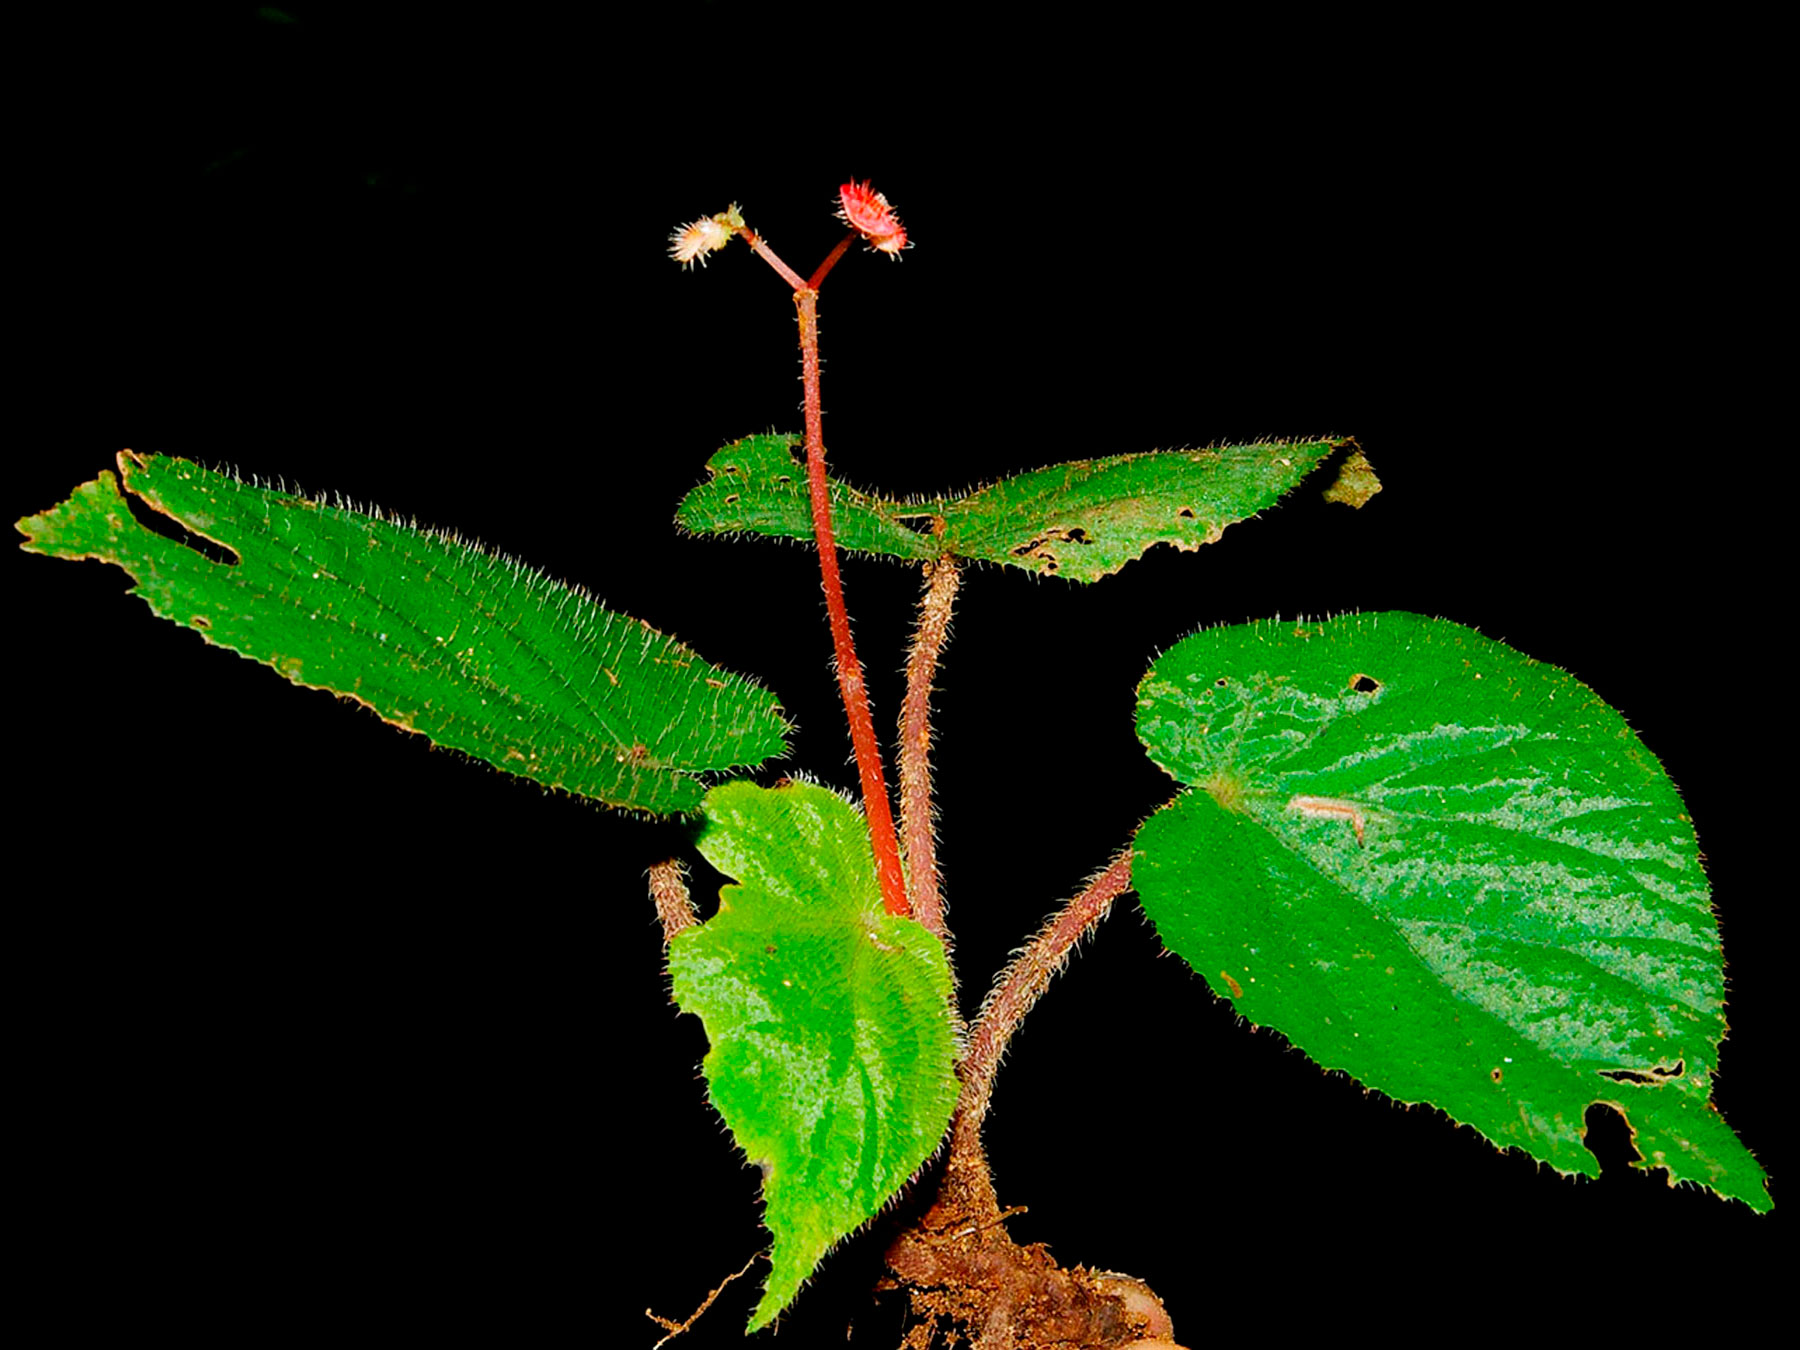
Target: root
970 1283
675 1328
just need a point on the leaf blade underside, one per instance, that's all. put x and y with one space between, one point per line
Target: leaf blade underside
1082 520
472 650
1448 870
832 1037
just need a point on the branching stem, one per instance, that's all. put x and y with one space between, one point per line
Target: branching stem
876 806
1025 979
917 818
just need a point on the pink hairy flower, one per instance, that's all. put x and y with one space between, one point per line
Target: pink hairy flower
867 211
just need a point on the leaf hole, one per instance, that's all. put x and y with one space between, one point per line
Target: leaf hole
1186 513
1651 1077
174 531
731 498
1222 682
200 621
1607 1135
784 478
919 524
1364 684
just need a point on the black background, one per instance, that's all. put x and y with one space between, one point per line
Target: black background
331 1029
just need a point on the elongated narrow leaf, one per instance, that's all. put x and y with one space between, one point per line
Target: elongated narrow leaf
1088 519
1082 520
472 650
833 1046
1448 870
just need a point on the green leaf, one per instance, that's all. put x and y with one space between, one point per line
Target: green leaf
833 1039
1082 520
1448 870
474 651
758 486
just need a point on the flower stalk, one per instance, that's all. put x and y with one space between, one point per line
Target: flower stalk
876 806
871 218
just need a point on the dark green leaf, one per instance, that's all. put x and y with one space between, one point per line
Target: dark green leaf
1448 870
1082 520
476 652
833 1041
758 486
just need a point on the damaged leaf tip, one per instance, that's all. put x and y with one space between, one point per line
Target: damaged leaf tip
1355 482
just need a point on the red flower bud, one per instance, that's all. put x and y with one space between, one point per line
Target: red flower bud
867 211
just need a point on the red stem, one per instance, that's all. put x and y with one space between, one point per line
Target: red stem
831 260
876 806
879 810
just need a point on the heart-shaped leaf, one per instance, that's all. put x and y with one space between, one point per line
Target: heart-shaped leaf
1448 870
832 1033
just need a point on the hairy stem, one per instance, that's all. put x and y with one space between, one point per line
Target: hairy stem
768 255
1019 988
876 806
917 819
668 888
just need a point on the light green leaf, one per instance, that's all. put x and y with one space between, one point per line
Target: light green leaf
1082 520
474 651
1448 870
833 1039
